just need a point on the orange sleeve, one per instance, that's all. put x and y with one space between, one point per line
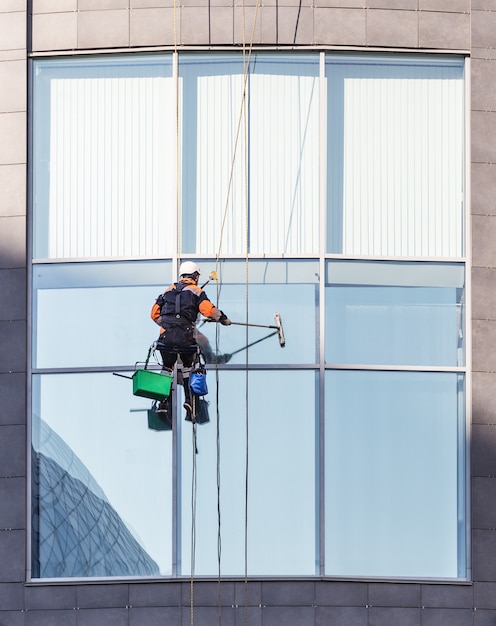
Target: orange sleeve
207 309
155 314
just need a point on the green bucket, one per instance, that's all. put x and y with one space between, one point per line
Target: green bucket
153 385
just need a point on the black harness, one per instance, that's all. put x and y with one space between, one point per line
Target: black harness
178 312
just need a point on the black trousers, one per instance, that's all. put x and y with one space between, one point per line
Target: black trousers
169 360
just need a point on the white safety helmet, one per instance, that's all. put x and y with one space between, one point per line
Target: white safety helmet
188 268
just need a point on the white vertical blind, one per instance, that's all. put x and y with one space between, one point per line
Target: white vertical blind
403 162
284 164
112 167
283 170
218 110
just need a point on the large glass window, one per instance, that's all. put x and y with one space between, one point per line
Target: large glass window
282 181
394 496
92 314
102 481
331 195
103 180
395 168
282 508
395 313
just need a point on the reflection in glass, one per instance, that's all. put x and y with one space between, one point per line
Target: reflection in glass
283 175
95 314
395 187
287 287
394 474
395 313
101 172
282 445
102 481
76 531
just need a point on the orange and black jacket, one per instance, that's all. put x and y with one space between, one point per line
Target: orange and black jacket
180 304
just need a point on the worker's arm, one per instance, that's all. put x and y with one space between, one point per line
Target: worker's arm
207 309
155 314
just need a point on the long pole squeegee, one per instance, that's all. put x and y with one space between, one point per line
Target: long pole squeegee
278 327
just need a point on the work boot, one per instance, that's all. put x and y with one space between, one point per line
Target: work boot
189 409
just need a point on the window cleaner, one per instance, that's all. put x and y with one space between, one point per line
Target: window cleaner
176 312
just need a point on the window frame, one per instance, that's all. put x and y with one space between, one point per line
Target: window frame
323 257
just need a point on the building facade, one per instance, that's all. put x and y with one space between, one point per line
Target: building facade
331 161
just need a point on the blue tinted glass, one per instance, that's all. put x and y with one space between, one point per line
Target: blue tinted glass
395 313
288 288
46 73
394 474
282 479
95 314
343 74
102 481
215 83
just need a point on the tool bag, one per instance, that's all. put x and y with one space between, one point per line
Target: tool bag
200 410
198 378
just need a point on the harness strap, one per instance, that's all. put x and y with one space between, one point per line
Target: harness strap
178 304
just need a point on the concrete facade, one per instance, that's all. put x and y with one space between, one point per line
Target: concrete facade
32 27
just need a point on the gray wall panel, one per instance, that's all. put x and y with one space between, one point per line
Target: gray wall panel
13 503
11 597
155 594
13 399
379 616
401 595
50 596
12 618
447 596
485 595
93 596
351 616
341 593
13 290
443 617
13 342
107 617
12 451
51 618
12 555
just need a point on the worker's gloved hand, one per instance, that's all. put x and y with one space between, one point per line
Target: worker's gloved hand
224 320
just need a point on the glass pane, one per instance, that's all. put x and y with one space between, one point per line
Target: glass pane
288 288
394 474
102 176
395 313
282 122
396 156
102 481
95 314
282 484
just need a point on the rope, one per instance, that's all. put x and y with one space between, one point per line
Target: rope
247 430
179 240
246 68
219 535
242 118
193 524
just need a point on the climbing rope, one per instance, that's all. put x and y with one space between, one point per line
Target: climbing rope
193 524
242 123
241 120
